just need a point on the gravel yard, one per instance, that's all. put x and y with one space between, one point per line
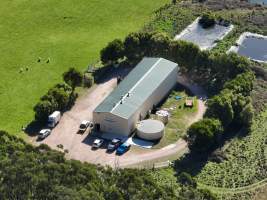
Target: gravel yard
78 146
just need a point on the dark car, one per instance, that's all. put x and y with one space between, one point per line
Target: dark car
123 148
114 144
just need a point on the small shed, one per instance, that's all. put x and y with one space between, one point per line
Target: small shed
189 102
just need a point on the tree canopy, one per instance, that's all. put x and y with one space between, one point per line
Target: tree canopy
220 107
73 77
112 52
60 97
29 172
204 134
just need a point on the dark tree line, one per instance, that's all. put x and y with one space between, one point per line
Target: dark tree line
36 173
227 76
231 107
60 97
212 71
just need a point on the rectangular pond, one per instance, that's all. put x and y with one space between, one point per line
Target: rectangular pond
252 46
206 39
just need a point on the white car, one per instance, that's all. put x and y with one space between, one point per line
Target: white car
43 134
97 143
84 125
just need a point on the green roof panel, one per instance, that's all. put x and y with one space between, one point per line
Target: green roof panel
140 83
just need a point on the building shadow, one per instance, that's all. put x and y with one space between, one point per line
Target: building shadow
90 138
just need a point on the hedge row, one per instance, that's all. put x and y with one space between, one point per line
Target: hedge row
212 71
60 97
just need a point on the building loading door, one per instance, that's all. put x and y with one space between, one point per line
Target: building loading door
97 126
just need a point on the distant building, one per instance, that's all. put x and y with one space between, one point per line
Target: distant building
145 86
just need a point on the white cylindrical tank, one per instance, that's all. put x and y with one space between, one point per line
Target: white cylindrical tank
150 129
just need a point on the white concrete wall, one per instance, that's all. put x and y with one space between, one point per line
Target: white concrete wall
111 123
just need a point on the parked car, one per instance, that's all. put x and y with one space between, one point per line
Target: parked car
123 148
97 143
84 125
43 134
114 144
53 119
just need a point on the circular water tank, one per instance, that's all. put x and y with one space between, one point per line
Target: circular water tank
150 129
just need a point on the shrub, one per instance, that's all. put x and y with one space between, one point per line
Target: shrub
243 83
184 53
42 110
220 107
206 194
137 45
159 45
39 172
88 80
73 77
225 67
246 116
205 134
112 52
186 179
61 97
207 20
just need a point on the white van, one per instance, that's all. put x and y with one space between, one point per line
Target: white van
53 119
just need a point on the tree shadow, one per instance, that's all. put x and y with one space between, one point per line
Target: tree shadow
33 128
108 72
192 163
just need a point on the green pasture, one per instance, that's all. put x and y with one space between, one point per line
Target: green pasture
62 34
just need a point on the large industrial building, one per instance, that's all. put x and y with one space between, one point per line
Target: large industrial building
144 87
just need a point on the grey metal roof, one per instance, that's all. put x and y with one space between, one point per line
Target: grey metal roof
140 83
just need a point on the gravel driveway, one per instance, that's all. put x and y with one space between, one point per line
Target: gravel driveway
79 146
65 133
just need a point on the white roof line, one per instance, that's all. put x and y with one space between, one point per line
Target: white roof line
136 84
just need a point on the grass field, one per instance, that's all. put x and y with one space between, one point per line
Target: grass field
68 33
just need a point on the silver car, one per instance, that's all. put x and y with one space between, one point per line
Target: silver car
97 143
44 133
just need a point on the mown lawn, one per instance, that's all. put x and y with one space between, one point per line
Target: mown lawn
179 118
67 33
